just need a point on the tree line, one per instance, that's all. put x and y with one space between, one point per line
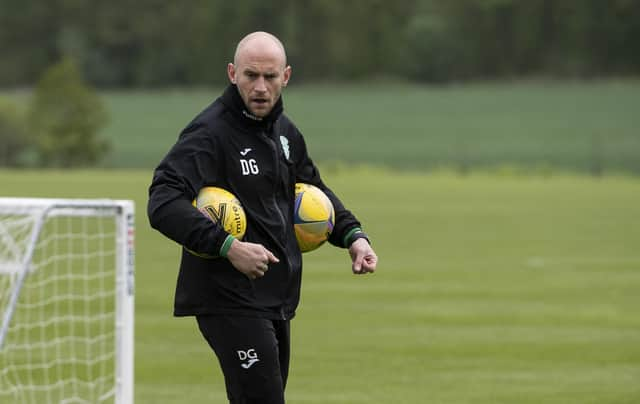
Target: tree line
156 43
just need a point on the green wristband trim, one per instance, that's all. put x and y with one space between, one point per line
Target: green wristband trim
345 240
226 245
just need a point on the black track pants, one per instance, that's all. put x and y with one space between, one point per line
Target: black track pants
253 353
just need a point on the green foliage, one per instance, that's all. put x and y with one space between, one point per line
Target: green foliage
14 139
156 43
437 52
66 115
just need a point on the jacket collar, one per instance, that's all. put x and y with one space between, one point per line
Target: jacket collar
232 100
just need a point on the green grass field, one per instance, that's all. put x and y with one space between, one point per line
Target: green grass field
535 126
581 126
490 289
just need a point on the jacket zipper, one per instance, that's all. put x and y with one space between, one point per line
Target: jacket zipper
276 188
276 192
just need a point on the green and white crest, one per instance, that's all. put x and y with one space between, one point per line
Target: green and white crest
285 146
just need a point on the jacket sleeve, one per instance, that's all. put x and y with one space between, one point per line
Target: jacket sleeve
346 224
176 182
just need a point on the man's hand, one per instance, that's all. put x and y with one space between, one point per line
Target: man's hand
249 258
363 259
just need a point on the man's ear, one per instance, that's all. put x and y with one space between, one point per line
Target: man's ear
231 73
286 76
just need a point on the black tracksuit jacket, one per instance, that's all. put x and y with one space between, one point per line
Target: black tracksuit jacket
259 161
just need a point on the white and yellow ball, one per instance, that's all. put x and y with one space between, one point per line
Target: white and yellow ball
314 217
223 208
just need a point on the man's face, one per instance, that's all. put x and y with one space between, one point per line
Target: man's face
260 76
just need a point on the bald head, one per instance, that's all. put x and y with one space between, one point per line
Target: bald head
260 71
260 42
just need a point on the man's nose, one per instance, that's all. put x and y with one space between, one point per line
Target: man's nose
260 85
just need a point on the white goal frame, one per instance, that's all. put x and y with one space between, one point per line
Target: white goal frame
122 211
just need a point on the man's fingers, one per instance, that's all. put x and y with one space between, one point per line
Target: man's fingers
253 275
271 257
357 264
364 264
251 259
261 268
363 259
369 263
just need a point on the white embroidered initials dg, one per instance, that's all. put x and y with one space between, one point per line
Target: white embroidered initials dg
248 358
249 167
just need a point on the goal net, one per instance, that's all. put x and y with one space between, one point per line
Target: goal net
66 301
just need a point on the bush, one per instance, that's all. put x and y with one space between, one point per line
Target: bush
14 140
66 115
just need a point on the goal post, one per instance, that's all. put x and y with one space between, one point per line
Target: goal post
66 300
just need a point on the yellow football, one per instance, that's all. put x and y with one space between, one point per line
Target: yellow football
314 217
222 207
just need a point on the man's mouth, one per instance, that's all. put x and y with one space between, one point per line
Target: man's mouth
259 101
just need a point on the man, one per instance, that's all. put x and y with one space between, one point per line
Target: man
243 300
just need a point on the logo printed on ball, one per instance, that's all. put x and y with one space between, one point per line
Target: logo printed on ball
218 215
